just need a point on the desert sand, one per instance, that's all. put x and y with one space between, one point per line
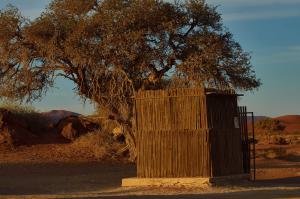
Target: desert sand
62 178
53 169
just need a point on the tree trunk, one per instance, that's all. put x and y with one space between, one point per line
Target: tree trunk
128 131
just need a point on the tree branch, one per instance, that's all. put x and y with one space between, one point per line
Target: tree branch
67 77
158 74
193 25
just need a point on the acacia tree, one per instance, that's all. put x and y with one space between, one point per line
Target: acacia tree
112 48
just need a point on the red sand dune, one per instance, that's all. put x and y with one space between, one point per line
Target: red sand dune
292 122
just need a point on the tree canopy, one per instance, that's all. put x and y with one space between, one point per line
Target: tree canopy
136 44
111 48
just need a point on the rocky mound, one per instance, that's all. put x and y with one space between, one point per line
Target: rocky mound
14 129
39 128
55 116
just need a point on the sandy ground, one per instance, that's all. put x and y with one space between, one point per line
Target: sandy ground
103 180
24 175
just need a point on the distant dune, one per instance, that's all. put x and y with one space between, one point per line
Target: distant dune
292 122
56 115
257 118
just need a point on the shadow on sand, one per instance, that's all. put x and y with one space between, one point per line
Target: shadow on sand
253 194
104 180
60 178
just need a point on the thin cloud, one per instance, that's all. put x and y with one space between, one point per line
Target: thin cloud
288 56
242 10
253 2
295 48
256 15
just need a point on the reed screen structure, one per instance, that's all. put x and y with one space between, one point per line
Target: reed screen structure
189 133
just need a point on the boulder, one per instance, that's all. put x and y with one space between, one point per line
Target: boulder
72 127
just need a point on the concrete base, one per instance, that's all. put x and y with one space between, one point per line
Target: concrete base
146 182
229 179
187 182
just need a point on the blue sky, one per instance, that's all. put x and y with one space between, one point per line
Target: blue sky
269 29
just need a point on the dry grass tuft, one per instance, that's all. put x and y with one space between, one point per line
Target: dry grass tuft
17 108
99 144
275 153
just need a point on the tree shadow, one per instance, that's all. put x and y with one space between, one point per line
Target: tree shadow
105 178
60 178
248 194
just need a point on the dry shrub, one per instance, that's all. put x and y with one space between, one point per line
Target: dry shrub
275 153
281 154
296 139
270 125
99 144
17 108
280 140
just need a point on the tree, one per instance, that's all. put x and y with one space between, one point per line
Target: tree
112 48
